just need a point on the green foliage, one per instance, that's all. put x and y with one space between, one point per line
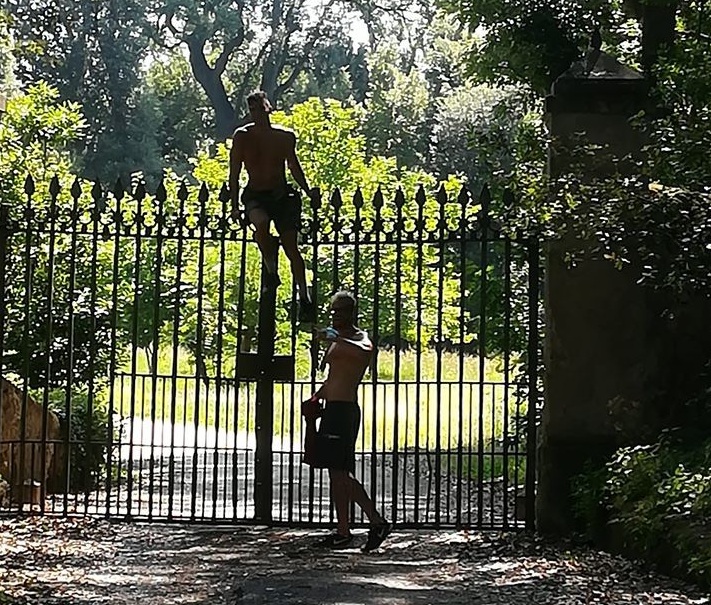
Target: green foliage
334 70
84 420
334 155
680 134
180 110
52 304
533 43
7 60
35 134
397 102
91 52
657 498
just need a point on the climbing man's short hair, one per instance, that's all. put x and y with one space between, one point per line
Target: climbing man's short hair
259 98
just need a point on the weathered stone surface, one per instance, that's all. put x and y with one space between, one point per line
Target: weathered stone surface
613 363
38 456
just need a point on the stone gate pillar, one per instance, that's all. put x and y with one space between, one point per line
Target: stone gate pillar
596 343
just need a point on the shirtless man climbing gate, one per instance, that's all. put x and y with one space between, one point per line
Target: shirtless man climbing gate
264 149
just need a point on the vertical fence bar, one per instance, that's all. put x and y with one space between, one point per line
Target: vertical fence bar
533 290
294 419
377 230
177 307
483 309
420 200
54 190
158 222
441 227
118 194
264 417
223 198
20 481
507 376
399 203
5 234
463 235
67 441
357 236
336 203
199 361
314 346
242 233
138 196
89 443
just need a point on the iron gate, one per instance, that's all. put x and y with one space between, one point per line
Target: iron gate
126 314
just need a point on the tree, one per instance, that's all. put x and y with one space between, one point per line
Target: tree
183 116
54 329
535 42
234 47
398 103
7 60
91 52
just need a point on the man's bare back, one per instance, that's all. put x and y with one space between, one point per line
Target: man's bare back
265 150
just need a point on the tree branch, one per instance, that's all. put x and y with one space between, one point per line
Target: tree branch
299 67
241 93
230 46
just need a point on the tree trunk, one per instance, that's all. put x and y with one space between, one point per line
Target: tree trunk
658 26
270 77
658 21
211 82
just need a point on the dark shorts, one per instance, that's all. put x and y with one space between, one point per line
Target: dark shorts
282 207
337 434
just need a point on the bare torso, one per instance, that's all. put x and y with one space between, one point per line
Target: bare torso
347 361
264 149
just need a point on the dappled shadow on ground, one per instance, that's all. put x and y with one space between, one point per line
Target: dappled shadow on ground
62 561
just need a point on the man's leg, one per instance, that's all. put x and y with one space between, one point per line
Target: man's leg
340 494
307 310
267 244
346 489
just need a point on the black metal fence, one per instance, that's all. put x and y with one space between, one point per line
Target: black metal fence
126 316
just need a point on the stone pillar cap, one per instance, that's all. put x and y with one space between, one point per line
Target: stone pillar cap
598 65
598 83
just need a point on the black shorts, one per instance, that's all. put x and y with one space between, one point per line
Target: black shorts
283 207
337 434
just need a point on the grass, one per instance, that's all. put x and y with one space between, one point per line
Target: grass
398 411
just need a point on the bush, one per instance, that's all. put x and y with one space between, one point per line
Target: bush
87 428
656 500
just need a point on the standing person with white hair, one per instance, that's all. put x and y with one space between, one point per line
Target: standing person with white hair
348 356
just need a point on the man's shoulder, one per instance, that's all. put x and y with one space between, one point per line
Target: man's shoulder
243 130
361 340
283 131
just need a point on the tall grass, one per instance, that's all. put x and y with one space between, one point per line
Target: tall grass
431 402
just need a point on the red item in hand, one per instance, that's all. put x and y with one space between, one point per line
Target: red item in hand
311 409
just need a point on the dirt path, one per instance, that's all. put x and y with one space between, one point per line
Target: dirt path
82 562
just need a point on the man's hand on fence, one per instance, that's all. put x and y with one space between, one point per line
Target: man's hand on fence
239 216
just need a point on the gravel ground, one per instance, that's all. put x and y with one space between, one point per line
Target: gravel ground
87 561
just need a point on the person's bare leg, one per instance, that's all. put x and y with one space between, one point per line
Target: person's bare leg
298 267
358 495
264 239
340 489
